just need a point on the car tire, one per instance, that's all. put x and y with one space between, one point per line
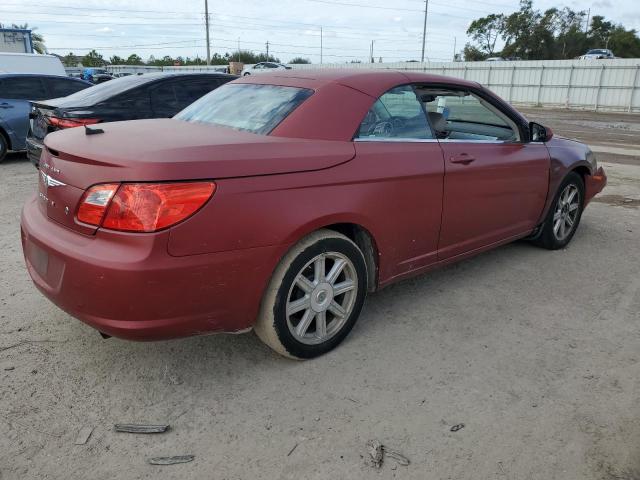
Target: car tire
245 74
4 147
564 214
301 315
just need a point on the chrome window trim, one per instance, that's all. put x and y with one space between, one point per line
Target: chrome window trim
395 140
432 140
463 140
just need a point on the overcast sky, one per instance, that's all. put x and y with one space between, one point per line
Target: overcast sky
164 27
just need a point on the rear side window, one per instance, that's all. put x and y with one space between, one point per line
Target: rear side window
397 114
250 107
189 91
23 88
60 87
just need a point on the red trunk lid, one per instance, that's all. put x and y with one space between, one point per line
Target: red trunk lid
166 150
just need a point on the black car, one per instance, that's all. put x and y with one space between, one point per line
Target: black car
152 95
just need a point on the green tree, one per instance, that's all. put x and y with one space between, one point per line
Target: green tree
70 60
299 61
134 59
116 60
624 43
485 32
93 59
472 53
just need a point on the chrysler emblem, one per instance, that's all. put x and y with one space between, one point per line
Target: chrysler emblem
49 181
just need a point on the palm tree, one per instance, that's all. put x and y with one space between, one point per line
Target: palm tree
37 39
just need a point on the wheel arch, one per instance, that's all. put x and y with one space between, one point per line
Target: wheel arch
357 231
6 137
583 171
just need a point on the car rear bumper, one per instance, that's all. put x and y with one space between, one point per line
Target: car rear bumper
34 150
128 286
594 184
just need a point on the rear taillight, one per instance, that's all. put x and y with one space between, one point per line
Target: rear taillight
142 207
94 203
71 122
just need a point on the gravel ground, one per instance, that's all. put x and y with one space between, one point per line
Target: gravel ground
535 352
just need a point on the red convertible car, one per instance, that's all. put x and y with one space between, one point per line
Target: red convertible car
278 202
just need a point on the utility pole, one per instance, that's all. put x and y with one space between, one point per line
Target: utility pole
267 50
206 19
321 45
455 40
586 27
238 49
371 57
424 29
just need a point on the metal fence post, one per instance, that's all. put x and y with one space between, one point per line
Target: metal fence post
464 76
489 78
599 87
513 75
569 85
540 85
633 88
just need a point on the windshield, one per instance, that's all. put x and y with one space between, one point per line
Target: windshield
249 107
599 52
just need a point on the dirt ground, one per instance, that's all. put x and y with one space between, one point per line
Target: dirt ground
537 353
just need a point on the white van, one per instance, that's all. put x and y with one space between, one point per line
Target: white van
30 63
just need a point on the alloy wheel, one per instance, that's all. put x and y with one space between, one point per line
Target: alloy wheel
566 213
321 298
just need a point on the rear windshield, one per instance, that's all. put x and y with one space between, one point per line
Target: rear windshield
104 91
249 107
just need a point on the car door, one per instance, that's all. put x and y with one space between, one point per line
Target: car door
15 93
495 184
400 155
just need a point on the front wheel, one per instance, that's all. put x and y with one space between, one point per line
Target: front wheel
315 296
564 215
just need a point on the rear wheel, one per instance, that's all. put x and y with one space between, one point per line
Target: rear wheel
4 147
315 296
564 215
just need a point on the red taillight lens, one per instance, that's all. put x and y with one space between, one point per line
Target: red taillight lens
143 207
71 122
94 203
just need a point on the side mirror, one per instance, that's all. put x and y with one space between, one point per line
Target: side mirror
540 133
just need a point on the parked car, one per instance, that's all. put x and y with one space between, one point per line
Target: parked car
153 95
282 216
30 63
16 90
264 67
96 75
597 54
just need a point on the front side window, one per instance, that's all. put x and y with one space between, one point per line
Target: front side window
249 107
397 114
460 115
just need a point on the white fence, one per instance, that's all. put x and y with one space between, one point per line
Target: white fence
600 85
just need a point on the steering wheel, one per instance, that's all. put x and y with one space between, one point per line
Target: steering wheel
398 122
383 129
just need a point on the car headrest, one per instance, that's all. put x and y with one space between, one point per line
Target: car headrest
437 121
